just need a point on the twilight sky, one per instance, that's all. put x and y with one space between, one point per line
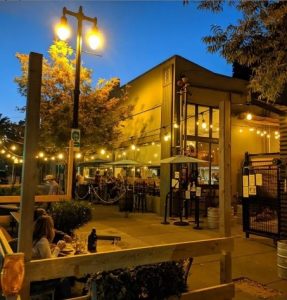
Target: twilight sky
138 34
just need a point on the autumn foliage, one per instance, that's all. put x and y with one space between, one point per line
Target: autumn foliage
101 107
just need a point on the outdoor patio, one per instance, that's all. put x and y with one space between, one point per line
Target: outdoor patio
253 258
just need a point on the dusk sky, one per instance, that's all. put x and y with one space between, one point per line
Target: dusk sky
138 34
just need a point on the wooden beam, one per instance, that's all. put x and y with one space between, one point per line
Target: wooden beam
79 265
70 170
29 171
5 247
218 292
38 198
225 184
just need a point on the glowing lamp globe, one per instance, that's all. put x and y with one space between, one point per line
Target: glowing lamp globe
94 38
63 30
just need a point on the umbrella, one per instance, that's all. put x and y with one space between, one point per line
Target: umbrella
181 159
124 163
96 162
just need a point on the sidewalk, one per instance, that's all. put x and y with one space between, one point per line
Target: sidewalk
253 258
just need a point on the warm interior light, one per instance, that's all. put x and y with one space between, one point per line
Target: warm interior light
103 151
78 155
63 30
166 137
248 116
60 156
175 125
94 38
133 147
13 147
203 124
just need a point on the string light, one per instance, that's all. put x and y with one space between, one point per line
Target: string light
249 116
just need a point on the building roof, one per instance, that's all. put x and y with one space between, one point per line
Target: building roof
199 76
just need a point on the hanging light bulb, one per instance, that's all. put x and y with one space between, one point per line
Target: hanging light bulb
78 155
203 124
249 116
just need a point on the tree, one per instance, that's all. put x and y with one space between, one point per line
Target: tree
101 107
9 131
257 42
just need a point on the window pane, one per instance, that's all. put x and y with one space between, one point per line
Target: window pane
190 119
190 148
214 157
203 169
215 123
203 121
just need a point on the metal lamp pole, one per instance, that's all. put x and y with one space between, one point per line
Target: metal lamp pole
75 122
80 18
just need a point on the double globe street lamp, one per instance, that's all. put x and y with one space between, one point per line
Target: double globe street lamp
95 40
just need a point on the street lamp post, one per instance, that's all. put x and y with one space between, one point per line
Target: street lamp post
63 31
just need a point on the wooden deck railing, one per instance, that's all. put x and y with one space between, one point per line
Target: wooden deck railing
79 265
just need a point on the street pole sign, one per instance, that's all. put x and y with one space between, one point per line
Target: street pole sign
76 137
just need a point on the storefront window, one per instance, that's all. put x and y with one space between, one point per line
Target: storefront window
191 148
214 159
215 123
203 121
203 169
191 119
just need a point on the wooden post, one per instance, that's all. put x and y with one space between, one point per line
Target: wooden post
29 173
70 169
225 184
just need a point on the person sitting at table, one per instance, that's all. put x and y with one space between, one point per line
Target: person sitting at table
59 235
43 235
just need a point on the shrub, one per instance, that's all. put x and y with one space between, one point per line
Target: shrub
10 190
155 281
70 215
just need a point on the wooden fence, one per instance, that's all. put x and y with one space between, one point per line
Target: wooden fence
79 265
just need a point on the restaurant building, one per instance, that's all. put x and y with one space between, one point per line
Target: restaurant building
176 111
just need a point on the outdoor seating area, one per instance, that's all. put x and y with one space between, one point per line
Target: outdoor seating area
149 170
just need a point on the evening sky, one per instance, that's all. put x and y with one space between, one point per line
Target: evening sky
139 35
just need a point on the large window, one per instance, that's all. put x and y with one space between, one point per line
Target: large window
202 140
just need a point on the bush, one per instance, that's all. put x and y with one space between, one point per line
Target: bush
156 281
10 191
70 215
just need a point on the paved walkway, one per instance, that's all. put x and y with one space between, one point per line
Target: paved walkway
253 258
